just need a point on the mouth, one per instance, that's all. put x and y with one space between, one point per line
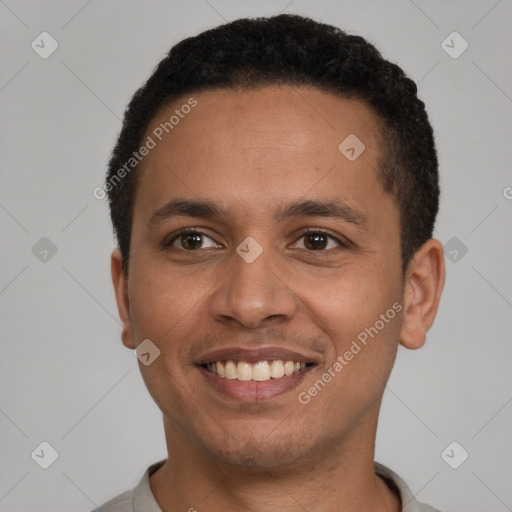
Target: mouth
260 371
254 375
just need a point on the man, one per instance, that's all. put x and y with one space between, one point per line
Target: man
273 192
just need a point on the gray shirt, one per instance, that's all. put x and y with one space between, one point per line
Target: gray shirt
141 499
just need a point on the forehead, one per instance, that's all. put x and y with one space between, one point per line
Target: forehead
305 119
258 146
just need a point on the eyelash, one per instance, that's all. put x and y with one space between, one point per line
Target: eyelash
167 244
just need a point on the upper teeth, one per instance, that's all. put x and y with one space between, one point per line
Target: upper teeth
260 371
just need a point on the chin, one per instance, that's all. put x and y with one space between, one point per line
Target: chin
256 457
264 452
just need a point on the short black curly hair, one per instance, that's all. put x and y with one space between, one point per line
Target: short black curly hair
298 51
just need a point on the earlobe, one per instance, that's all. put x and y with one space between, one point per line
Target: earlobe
422 293
121 292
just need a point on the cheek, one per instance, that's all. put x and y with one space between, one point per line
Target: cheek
364 346
348 300
164 310
348 308
165 302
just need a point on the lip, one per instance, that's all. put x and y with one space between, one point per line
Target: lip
254 391
255 355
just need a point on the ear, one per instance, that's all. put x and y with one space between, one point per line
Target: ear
422 293
123 304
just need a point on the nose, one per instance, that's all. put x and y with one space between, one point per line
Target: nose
254 292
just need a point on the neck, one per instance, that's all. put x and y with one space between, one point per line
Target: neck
341 473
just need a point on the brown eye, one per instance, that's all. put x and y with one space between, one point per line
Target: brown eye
189 240
315 241
320 241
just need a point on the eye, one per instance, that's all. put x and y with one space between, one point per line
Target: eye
319 241
189 240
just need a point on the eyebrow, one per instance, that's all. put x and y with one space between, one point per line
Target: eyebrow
306 208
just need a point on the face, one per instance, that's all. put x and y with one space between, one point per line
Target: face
295 255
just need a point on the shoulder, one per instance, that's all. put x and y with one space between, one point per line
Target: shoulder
138 499
410 503
121 503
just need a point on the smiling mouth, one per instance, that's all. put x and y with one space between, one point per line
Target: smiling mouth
259 371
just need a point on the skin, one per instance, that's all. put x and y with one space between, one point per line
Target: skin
250 152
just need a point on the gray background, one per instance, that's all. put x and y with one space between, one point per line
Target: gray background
65 376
